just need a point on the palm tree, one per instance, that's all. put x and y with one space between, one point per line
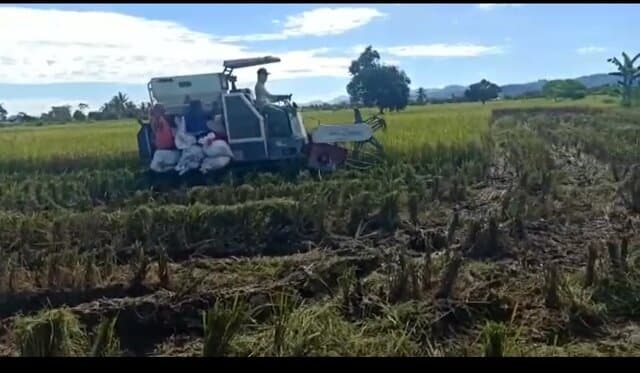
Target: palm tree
118 104
82 106
628 73
122 97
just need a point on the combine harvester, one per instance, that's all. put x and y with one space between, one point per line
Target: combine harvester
255 139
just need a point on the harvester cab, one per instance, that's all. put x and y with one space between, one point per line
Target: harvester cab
253 135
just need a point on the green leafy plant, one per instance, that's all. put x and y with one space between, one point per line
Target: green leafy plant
51 333
105 342
221 324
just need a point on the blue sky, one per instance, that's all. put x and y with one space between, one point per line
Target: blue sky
65 54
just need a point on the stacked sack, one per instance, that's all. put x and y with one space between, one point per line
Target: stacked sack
217 153
209 153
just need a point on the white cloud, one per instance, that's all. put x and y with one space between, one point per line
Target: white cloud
357 49
492 6
329 21
316 22
53 46
443 50
590 50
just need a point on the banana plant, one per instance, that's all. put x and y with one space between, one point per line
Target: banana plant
628 73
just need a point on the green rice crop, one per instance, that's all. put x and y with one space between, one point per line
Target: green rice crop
113 144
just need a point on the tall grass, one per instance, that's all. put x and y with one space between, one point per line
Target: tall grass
320 330
221 324
52 333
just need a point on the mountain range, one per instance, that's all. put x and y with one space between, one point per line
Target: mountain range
512 90
589 81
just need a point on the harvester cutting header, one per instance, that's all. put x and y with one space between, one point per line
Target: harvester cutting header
205 122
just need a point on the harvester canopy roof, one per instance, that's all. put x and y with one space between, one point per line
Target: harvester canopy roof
172 92
247 62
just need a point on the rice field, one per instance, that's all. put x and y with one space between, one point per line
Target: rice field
113 143
488 232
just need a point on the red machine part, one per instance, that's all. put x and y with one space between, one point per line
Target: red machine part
326 156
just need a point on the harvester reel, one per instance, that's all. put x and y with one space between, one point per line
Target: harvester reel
377 123
367 154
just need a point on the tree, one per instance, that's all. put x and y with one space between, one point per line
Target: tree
94 115
375 84
567 88
607 90
361 70
3 112
628 73
483 91
24 117
422 96
79 116
116 108
395 91
130 110
82 107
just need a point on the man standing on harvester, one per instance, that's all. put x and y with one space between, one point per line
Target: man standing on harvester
277 117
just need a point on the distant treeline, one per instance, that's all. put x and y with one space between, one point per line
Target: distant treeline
119 107
579 93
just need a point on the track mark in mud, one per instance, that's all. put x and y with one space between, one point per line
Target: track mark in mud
146 320
28 302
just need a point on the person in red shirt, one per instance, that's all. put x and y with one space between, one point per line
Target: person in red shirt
162 132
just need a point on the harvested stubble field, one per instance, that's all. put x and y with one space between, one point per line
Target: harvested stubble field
504 233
